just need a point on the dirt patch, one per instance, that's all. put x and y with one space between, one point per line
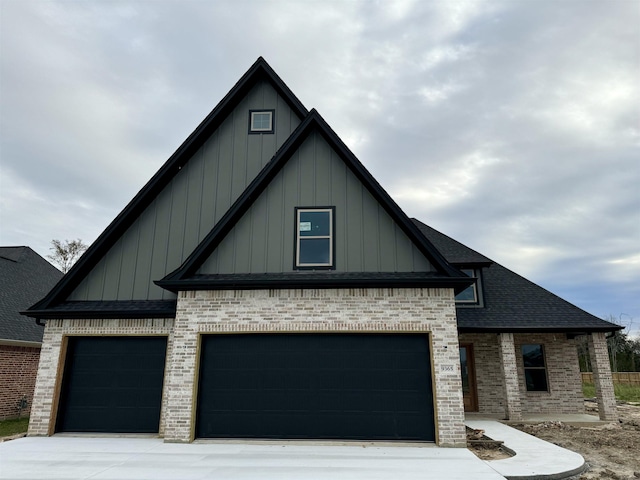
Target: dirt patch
612 451
484 447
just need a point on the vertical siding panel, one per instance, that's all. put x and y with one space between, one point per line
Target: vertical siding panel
242 244
160 242
225 170
209 183
387 241
291 199
240 134
403 248
195 175
339 199
129 259
420 263
95 283
305 173
81 291
353 208
258 235
276 216
226 252
177 220
270 100
113 266
371 229
323 173
145 250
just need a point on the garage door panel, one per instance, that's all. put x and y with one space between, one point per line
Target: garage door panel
112 384
341 386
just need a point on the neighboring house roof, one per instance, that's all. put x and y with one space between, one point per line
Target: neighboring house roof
511 302
24 278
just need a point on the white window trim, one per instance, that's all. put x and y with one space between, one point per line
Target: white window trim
299 237
261 112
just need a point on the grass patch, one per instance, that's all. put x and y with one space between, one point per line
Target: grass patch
13 426
626 393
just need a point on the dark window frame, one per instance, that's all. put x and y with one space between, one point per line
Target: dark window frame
531 386
331 265
478 300
260 131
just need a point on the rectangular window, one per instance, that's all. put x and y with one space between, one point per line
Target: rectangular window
314 237
470 294
535 371
261 121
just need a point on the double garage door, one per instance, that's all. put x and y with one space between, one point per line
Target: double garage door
317 386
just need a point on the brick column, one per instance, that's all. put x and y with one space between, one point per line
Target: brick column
602 376
181 367
508 365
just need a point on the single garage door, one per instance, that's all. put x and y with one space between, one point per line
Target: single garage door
112 384
320 386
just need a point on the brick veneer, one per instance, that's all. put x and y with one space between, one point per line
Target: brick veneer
330 310
603 380
565 388
51 360
18 367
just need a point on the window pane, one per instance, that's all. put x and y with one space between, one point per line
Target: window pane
261 121
536 380
533 356
467 295
314 250
315 224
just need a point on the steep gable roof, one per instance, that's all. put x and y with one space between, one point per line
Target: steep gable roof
511 302
51 304
24 277
185 277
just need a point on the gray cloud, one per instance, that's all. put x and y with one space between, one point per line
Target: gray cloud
511 126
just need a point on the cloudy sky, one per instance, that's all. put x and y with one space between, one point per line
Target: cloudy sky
511 126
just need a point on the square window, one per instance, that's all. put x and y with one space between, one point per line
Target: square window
535 370
261 121
314 237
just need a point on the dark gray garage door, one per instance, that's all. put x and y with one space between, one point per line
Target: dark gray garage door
320 386
112 384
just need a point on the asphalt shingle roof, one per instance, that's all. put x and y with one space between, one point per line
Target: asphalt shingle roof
511 302
25 277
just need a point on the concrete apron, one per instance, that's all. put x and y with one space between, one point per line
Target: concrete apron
118 458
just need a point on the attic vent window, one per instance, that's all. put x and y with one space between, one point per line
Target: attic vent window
469 296
261 121
314 238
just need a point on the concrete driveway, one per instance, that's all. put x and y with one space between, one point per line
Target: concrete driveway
75 458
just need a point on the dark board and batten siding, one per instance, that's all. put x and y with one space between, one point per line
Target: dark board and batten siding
188 208
367 238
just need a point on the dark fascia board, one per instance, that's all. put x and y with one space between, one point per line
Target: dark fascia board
509 329
109 309
259 282
260 70
313 122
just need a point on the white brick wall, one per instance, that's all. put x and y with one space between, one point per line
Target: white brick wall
51 361
331 310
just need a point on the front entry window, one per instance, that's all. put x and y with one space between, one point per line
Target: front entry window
535 370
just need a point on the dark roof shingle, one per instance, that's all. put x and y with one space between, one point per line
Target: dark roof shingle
25 277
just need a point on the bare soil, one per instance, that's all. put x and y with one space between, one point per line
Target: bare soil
612 451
